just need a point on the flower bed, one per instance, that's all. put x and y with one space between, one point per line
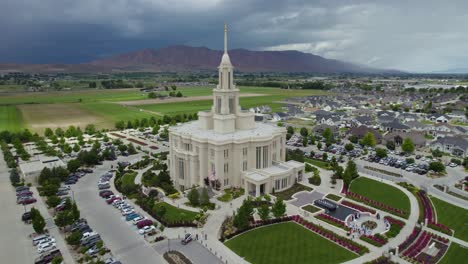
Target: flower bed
137 141
376 240
117 135
410 239
358 207
376 204
343 241
428 213
414 251
381 260
332 221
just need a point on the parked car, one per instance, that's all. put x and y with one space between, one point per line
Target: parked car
143 223
26 217
45 241
24 193
93 250
187 239
127 211
21 188
39 238
146 229
132 216
48 257
46 247
27 200
103 186
105 193
137 219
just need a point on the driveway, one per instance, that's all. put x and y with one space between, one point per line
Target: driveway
304 198
194 251
121 237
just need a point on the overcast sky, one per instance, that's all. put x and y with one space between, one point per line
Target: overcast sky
416 35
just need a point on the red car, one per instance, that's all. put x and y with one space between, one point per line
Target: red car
143 223
105 193
29 200
112 199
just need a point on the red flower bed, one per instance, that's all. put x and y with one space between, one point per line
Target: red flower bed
333 221
137 141
358 207
410 239
394 221
117 135
423 240
377 241
376 204
153 147
428 213
330 235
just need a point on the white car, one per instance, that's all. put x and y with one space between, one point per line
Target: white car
138 219
45 241
146 229
46 247
127 211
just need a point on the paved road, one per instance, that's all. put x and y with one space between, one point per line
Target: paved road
15 245
193 251
120 236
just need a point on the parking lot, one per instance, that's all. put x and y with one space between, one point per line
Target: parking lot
120 236
15 244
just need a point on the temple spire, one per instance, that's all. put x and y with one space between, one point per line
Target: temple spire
225 38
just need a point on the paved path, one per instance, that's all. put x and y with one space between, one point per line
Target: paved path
194 251
15 244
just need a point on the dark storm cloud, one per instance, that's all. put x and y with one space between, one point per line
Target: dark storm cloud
407 35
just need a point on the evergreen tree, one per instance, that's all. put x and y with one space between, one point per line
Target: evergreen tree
407 145
194 197
204 197
279 208
264 212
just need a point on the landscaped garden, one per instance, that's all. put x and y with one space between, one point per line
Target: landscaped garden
173 214
230 194
333 197
455 254
287 194
453 217
287 243
311 208
380 195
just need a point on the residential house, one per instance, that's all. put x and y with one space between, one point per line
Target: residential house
397 137
394 126
438 118
361 131
457 146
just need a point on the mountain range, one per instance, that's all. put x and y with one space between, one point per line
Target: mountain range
189 59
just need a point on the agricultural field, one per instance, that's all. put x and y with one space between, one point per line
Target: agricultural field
380 192
10 118
103 108
40 116
287 243
452 216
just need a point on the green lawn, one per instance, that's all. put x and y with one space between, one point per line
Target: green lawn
288 193
10 118
452 216
333 197
381 192
311 208
455 254
287 243
116 112
174 214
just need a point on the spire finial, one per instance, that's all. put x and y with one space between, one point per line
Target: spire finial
225 38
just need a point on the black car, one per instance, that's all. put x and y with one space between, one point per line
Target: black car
26 217
21 188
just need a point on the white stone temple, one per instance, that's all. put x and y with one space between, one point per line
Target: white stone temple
226 148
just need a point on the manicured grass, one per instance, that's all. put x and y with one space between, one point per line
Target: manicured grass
333 197
10 118
381 192
287 243
287 194
455 254
174 214
311 208
319 163
452 216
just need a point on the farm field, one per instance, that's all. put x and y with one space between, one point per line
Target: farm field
287 243
380 192
452 216
10 118
37 117
104 107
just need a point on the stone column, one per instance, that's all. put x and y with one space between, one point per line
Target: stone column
257 190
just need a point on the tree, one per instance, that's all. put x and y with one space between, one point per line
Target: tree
390 145
437 166
73 165
354 139
131 149
349 147
194 197
38 221
328 135
304 132
59 132
63 219
52 201
48 132
319 145
325 157
122 147
179 94
120 125
381 153
304 142
350 172
74 238
75 212
90 129
264 212
14 177
368 140
290 130
279 208
204 197
407 145
243 214
76 148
